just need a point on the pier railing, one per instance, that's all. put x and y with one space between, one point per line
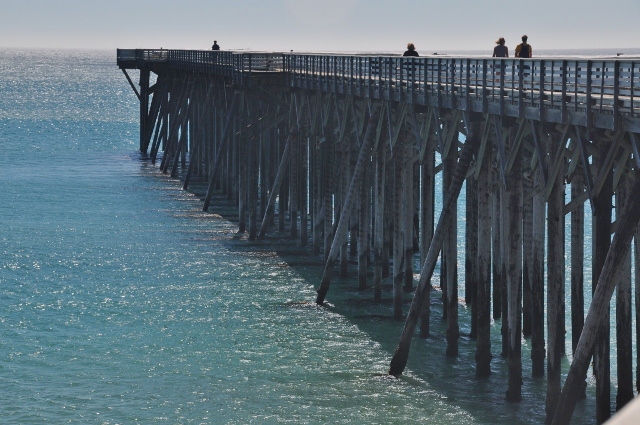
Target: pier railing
235 65
534 87
599 92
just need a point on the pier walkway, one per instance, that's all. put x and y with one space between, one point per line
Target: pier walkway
342 151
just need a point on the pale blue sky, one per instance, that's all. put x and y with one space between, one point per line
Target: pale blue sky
319 25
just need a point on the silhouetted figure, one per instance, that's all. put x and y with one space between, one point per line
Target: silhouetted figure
523 50
411 50
215 45
500 51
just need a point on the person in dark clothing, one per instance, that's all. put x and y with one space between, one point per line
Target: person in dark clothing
215 45
411 50
524 50
500 51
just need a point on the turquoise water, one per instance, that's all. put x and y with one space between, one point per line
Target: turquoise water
122 302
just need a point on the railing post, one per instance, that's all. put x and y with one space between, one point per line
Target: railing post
588 106
485 101
563 107
402 78
541 104
616 89
632 88
467 96
439 82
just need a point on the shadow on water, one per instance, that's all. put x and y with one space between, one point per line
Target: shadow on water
428 366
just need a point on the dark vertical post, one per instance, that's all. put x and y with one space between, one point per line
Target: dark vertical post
242 178
328 155
294 185
344 155
304 185
317 156
379 198
555 282
253 152
450 258
514 276
398 227
577 263
483 300
602 215
388 217
364 227
623 315
407 218
283 195
427 192
636 251
537 278
496 265
471 252
527 258
144 106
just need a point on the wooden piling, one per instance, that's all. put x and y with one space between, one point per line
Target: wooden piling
538 350
471 253
577 263
496 265
399 225
379 222
347 207
602 215
427 193
483 299
555 281
450 258
470 149
514 275
623 315
627 224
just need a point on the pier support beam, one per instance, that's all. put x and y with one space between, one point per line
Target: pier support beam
602 216
514 275
538 351
282 168
623 316
342 229
470 149
471 253
450 257
577 263
555 282
399 226
379 198
427 193
145 75
598 314
483 300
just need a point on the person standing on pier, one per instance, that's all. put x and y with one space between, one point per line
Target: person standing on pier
411 50
523 50
215 45
500 51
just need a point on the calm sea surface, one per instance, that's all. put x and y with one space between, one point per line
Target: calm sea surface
122 302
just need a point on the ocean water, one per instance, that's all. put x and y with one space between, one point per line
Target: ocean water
122 302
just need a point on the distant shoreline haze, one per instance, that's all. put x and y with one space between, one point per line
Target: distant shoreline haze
424 51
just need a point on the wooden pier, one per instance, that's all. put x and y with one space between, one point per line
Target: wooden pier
342 151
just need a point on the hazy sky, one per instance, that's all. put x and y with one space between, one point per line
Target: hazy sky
319 25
